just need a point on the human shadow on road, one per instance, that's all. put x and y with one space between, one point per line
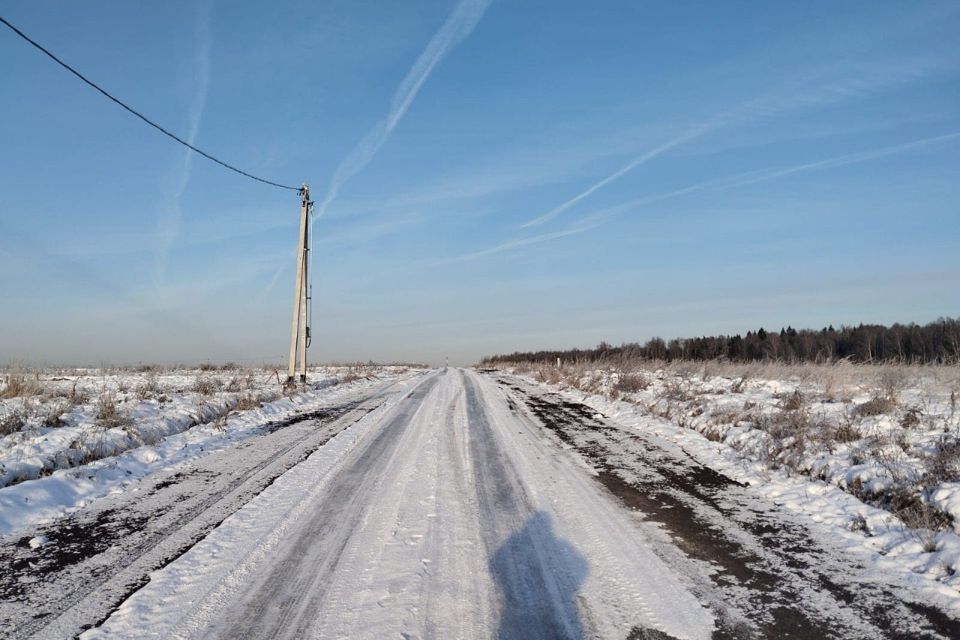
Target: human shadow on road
539 576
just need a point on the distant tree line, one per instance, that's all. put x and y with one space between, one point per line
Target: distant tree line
936 342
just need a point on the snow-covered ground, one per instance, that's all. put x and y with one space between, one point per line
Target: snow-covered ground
440 516
75 435
873 451
451 503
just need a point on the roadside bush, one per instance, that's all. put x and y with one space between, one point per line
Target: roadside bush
631 383
109 414
76 396
149 388
793 402
891 381
911 418
247 401
677 389
921 518
206 386
18 385
846 432
12 422
54 415
943 465
876 406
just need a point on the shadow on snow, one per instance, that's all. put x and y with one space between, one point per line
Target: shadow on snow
539 576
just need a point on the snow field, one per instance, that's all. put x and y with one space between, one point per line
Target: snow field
853 487
47 471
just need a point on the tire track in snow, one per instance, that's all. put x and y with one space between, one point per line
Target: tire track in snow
97 558
763 563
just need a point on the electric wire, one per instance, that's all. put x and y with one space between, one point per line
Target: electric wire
140 115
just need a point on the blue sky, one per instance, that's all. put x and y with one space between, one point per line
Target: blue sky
488 176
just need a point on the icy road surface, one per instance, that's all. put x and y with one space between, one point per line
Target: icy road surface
462 505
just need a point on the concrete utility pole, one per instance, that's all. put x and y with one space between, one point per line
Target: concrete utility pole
301 332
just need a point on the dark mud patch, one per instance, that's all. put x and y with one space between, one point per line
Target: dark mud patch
71 542
74 543
773 576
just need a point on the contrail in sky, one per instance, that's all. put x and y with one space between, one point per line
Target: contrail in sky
649 155
763 175
169 221
851 158
768 105
457 27
521 242
739 180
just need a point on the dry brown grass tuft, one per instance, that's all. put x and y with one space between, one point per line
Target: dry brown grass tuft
12 422
19 385
53 417
876 406
206 386
109 414
631 383
943 465
149 388
247 401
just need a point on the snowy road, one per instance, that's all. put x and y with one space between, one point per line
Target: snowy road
442 516
462 505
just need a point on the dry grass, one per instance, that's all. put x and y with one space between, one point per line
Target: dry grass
53 416
109 414
943 465
248 401
631 383
206 386
149 388
20 385
12 422
876 406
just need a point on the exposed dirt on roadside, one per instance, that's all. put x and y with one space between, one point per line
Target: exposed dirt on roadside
81 554
771 568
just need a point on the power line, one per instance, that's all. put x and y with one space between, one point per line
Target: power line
140 115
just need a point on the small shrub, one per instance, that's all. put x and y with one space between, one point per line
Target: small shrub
740 384
943 465
892 380
876 406
54 415
922 519
109 414
631 383
847 431
911 418
678 390
234 385
793 402
859 523
247 402
19 385
149 387
76 396
206 386
12 422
